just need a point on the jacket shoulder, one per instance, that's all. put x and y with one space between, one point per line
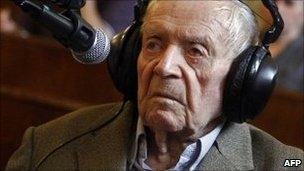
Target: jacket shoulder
57 144
269 151
79 120
55 134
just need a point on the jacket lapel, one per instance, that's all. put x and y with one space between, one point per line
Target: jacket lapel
231 151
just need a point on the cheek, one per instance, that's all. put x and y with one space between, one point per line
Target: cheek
220 71
201 69
200 80
214 87
207 91
145 73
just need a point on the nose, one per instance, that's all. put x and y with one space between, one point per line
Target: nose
168 65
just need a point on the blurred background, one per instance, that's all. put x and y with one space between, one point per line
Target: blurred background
41 81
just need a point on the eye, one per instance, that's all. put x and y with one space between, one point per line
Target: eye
153 46
195 52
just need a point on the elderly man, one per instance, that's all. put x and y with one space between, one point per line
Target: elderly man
187 50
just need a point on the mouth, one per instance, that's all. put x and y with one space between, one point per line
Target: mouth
166 96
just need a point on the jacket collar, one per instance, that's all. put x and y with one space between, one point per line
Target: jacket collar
232 151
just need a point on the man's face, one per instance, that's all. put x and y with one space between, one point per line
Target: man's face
182 65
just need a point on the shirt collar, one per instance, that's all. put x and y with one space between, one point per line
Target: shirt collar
140 131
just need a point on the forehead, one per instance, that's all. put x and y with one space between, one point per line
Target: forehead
196 14
190 11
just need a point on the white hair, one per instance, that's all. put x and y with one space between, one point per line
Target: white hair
242 26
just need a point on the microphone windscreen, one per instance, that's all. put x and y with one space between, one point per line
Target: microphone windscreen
97 53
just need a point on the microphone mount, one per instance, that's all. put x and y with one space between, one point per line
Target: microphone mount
70 4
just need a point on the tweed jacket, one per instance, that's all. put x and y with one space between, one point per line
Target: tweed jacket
101 138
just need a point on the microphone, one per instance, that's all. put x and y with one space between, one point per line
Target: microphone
88 45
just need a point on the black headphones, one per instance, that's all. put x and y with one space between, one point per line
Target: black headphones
249 83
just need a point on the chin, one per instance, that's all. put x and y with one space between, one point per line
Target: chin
163 114
165 120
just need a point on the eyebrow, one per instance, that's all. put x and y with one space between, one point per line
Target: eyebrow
190 35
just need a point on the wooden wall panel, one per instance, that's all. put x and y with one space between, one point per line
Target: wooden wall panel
283 118
42 68
16 117
41 81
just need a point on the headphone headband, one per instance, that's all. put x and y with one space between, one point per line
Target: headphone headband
273 33
140 10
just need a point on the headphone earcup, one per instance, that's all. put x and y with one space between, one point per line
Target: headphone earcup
249 84
122 61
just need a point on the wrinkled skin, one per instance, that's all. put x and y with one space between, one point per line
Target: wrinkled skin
181 72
